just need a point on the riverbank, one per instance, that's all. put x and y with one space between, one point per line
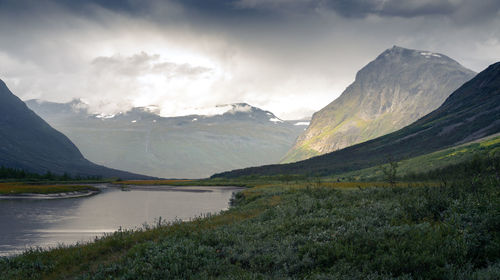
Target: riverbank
73 194
307 230
13 190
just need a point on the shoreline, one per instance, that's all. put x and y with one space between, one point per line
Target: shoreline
177 188
74 194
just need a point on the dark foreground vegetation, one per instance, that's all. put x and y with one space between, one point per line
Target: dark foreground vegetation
305 230
7 174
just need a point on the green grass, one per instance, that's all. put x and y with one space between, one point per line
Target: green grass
312 230
16 188
489 146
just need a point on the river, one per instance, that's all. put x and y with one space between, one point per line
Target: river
45 223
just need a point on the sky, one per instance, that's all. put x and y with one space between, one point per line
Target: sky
291 57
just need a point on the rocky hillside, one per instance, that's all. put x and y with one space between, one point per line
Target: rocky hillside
195 146
469 113
394 90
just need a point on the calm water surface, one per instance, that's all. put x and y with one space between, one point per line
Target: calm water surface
44 223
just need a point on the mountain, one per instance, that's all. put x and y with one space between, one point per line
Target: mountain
397 88
195 146
28 142
471 112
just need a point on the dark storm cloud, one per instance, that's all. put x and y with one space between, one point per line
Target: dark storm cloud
226 9
75 5
222 11
400 8
383 8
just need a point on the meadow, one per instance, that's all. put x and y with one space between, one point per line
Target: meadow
310 229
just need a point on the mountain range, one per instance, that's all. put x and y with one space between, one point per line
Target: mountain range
397 88
471 112
193 146
27 142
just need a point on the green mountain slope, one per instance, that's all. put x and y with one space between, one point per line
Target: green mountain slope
486 147
28 142
469 113
397 88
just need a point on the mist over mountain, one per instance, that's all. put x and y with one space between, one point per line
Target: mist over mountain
140 140
471 112
397 88
27 142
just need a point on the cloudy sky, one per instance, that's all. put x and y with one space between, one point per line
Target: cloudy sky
291 57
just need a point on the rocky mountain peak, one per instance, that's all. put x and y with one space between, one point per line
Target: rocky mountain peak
397 88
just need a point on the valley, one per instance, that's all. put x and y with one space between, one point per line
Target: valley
195 146
397 178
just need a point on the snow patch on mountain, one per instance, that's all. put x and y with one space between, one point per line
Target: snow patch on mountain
240 108
152 109
429 54
218 110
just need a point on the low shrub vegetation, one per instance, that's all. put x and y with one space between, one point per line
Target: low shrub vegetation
310 230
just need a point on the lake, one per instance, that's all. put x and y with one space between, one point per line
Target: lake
47 223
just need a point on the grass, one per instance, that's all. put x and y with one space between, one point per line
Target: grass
289 227
305 230
489 146
15 188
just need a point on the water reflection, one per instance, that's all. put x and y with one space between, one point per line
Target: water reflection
46 223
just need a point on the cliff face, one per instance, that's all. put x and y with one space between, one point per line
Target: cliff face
397 88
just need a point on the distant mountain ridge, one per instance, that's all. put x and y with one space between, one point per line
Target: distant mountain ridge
27 142
79 109
392 91
140 140
471 112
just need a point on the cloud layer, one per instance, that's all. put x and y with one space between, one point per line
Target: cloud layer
291 57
